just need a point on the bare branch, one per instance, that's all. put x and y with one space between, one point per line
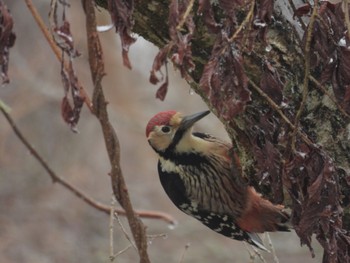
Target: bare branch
274 106
56 50
184 252
75 190
111 230
306 72
184 17
110 136
330 96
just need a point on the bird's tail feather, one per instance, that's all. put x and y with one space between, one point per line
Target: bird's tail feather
256 241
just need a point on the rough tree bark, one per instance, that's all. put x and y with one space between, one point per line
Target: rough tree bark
278 78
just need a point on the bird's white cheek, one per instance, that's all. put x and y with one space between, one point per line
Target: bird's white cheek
160 143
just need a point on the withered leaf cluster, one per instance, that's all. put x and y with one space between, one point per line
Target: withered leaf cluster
73 99
331 54
121 14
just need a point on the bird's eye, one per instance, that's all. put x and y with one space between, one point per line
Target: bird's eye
165 129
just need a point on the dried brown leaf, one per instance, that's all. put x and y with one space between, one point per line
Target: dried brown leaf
66 110
271 83
71 114
314 188
264 12
224 81
205 9
341 76
121 14
65 39
328 29
302 10
162 90
159 61
181 37
230 6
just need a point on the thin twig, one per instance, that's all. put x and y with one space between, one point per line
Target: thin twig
298 17
184 17
260 256
4 106
275 258
127 236
306 73
251 255
111 230
75 190
155 236
187 246
279 111
330 96
56 50
246 20
122 251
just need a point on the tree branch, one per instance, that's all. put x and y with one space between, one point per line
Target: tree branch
70 187
110 136
306 73
56 50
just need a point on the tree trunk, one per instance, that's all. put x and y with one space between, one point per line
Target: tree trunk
279 79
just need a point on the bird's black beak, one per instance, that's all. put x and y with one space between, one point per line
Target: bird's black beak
188 121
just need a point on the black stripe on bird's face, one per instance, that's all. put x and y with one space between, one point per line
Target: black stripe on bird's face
182 158
185 126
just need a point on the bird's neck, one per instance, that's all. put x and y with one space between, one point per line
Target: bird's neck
191 143
189 150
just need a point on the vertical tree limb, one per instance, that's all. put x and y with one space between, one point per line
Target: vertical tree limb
111 139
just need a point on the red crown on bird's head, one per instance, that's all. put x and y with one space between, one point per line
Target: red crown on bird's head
161 118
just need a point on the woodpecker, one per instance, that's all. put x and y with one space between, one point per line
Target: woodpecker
195 170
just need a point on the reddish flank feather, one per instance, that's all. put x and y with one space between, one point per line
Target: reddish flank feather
261 215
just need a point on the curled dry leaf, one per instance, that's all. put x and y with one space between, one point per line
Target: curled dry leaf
61 32
73 99
230 6
328 29
7 40
264 136
178 49
312 181
302 10
162 90
332 54
66 110
71 114
224 81
206 11
265 10
341 77
181 37
271 83
121 14
64 39
158 62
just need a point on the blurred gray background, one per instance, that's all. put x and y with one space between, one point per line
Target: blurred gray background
43 222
